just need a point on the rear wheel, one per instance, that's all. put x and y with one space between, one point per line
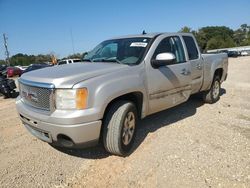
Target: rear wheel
120 128
213 95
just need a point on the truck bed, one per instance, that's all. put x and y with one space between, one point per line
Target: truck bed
213 62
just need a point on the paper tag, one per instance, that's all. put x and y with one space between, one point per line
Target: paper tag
138 44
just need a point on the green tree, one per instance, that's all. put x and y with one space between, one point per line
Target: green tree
214 37
2 62
238 37
244 28
218 42
24 59
242 35
214 43
185 29
74 56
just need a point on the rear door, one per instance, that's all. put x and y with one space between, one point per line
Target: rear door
196 62
168 85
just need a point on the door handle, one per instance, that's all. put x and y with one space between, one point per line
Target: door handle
185 72
198 66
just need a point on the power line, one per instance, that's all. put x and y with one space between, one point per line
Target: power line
5 38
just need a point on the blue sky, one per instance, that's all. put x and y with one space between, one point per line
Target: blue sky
45 26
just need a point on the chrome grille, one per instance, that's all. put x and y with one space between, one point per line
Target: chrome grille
37 97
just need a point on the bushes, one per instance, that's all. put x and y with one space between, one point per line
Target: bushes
215 37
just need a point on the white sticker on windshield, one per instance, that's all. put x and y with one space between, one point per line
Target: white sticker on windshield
138 44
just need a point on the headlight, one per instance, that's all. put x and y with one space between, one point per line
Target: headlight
69 99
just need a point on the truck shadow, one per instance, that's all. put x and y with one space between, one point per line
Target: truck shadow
148 125
165 118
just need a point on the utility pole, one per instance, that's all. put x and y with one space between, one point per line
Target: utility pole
6 49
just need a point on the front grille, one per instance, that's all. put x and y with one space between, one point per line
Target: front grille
38 97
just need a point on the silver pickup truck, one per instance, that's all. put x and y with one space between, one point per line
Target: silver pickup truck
122 80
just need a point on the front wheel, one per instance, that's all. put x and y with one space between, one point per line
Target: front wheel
213 95
120 128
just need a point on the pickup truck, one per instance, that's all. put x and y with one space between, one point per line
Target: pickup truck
121 81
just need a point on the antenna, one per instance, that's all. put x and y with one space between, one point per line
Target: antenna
144 32
5 38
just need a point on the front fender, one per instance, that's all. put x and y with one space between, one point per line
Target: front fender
106 88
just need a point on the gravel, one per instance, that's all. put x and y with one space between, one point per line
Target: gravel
191 145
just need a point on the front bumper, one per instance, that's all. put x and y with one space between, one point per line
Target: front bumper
80 134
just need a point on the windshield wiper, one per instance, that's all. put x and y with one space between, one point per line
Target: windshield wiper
111 61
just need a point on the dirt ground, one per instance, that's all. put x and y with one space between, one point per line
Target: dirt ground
191 145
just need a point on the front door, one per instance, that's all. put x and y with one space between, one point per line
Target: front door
171 84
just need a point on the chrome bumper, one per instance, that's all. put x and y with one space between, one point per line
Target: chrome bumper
79 133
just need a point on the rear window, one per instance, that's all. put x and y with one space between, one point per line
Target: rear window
191 47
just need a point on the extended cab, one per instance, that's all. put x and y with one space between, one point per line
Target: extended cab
121 81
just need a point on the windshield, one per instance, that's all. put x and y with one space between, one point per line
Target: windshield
125 51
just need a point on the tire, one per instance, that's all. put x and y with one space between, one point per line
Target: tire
118 134
213 94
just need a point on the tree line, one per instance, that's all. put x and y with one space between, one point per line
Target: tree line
216 37
210 37
25 60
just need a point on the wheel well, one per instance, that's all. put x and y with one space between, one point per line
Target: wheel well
135 97
218 72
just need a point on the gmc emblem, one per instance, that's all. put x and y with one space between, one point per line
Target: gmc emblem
30 96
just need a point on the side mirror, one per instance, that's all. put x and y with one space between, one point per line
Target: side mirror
163 59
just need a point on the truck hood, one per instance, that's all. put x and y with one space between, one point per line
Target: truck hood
66 76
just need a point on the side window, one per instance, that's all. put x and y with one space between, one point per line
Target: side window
178 50
191 47
171 45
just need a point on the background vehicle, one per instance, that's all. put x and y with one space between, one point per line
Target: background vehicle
223 51
3 70
244 53
68 61
7 86
14 71
122 80
232 54
35 67
22 67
